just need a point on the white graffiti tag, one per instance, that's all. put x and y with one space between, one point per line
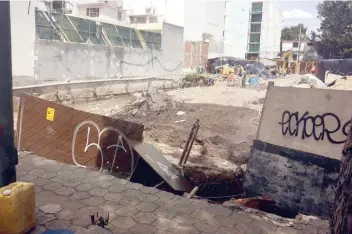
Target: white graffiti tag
167 171
119 144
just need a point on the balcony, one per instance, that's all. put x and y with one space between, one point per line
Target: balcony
255 28
256 18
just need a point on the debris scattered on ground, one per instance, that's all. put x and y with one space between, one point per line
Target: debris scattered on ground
180 113
180 121
153 101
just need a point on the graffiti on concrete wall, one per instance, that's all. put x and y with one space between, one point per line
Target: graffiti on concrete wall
320 127
121 143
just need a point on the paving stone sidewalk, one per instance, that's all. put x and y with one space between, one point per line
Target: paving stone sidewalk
66 195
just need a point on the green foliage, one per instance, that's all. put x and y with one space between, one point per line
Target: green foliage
334 37
292 33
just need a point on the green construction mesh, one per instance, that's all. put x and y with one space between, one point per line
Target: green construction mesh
88 30
44 28
66 26
112 34
129 36
153 40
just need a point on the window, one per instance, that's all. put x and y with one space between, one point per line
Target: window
257 6
295 44
256 18
92 12
254 38
119 15
294 57
255 28
253 47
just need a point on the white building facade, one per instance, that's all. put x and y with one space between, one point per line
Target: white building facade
237 28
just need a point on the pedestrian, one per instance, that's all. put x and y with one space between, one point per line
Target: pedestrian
230 78
313 70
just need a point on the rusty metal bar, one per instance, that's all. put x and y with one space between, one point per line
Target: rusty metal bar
189 143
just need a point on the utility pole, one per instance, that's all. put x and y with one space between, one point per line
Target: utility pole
8 152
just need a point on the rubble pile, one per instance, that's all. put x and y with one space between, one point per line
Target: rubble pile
153 101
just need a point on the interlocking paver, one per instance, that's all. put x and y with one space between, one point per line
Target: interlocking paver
44 218
98 192
65 191
165 212
38 229
132 193
143 229
81 192
110 206
79 195
185 230
145 217
205 227
126 211
57 224
41 181
129 201
149 190
203 215
164 224
185 219
147 206
50 208
65 214
123 222
116 188
93 201
134 186
113 197
85 187
148 197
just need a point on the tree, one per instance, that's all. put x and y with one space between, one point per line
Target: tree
292 33
341 218
334 37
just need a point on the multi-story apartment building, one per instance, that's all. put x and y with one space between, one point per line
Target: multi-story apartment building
237 28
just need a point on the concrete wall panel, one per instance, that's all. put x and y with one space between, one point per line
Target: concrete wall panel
310 120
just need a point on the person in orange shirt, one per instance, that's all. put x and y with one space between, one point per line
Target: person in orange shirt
313 70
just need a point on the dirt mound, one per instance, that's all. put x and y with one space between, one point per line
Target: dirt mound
151 102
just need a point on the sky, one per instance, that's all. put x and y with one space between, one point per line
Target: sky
294 12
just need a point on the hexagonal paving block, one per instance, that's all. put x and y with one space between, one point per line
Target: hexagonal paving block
79 195
98 192
66 214
129 201
65 191
204 227
57 224
143 229
184 219
41 181
184 209
110 206
126 211
135 186
165 212
123 222
149 190
85 187
203 215
93 201
52 186
116 188
38 229
148 198
145 217
164 224
113 197
132 193
50 208
185 230
147 206
44 218
220 210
